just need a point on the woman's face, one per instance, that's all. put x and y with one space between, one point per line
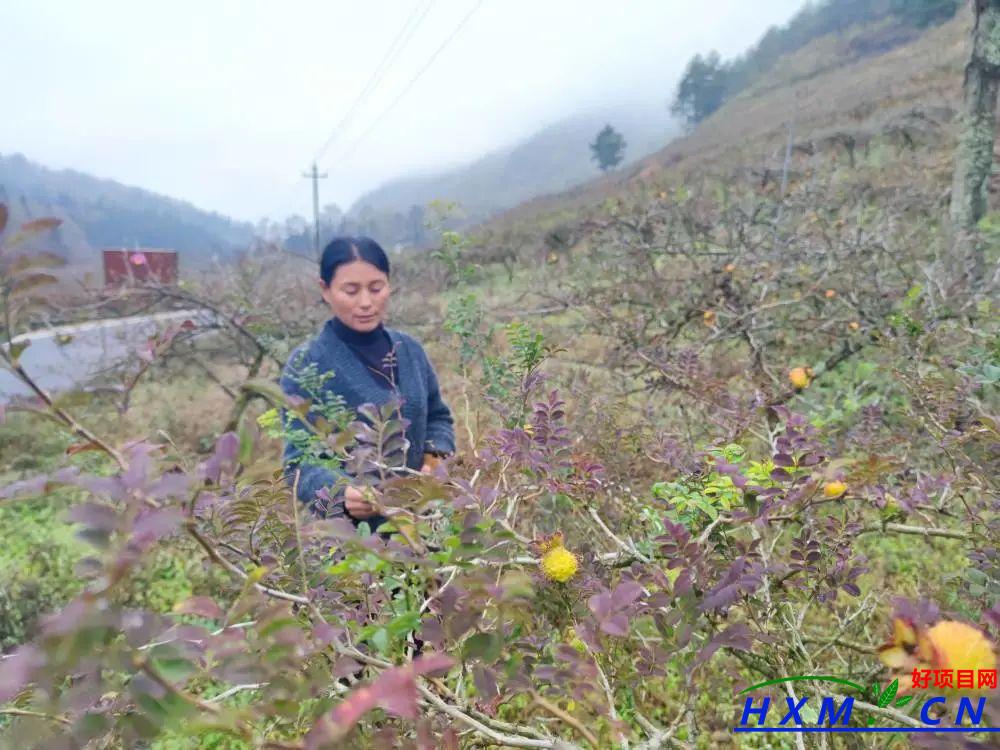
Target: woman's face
358 294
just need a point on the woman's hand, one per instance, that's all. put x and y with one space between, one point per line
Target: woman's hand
356 505
430 463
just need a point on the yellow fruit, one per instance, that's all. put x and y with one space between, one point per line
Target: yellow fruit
559 564
730 267
947 645
830 293
960 646
553 258
529 428
709 317
834 489
854 325
799 377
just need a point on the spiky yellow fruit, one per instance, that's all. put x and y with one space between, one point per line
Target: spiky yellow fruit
559 564
834 489
799 377
947 645
960 646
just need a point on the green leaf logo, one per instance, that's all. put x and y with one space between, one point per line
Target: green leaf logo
888 694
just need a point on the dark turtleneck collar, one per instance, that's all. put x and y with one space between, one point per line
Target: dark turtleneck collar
357 338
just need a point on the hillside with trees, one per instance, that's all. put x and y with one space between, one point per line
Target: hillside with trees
100 213
709 81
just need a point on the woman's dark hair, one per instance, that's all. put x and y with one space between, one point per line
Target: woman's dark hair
349 249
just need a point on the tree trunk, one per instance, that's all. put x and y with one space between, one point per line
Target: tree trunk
974 154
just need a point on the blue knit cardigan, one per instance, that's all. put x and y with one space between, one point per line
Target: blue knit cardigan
431 426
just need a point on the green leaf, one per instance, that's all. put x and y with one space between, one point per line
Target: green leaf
173 669
344 566
485 646
516 584
18 347
888 694
703 505
903 701
380 640
810 715
405 623
246 444
276 625
267 389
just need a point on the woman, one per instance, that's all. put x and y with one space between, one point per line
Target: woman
370 364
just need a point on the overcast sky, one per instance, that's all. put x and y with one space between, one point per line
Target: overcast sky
224 104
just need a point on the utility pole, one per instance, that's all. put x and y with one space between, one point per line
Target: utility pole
315 176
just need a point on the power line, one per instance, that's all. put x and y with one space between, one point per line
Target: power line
350 149
402 39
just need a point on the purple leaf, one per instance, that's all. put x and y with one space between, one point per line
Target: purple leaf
17 670
615 625
152 525
600 604
227 447
625 594
171 484
325 634
485 682
94 516
344 667
431 631
736 637
434 663
139 464
199 605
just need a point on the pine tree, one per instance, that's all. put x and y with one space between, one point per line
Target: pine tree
608 149
702 89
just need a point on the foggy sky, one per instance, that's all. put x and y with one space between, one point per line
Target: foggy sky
224 104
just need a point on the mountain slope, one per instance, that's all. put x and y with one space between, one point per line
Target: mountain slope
553 159
841 88
99 213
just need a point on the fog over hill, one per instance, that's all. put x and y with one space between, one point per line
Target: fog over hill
553 159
